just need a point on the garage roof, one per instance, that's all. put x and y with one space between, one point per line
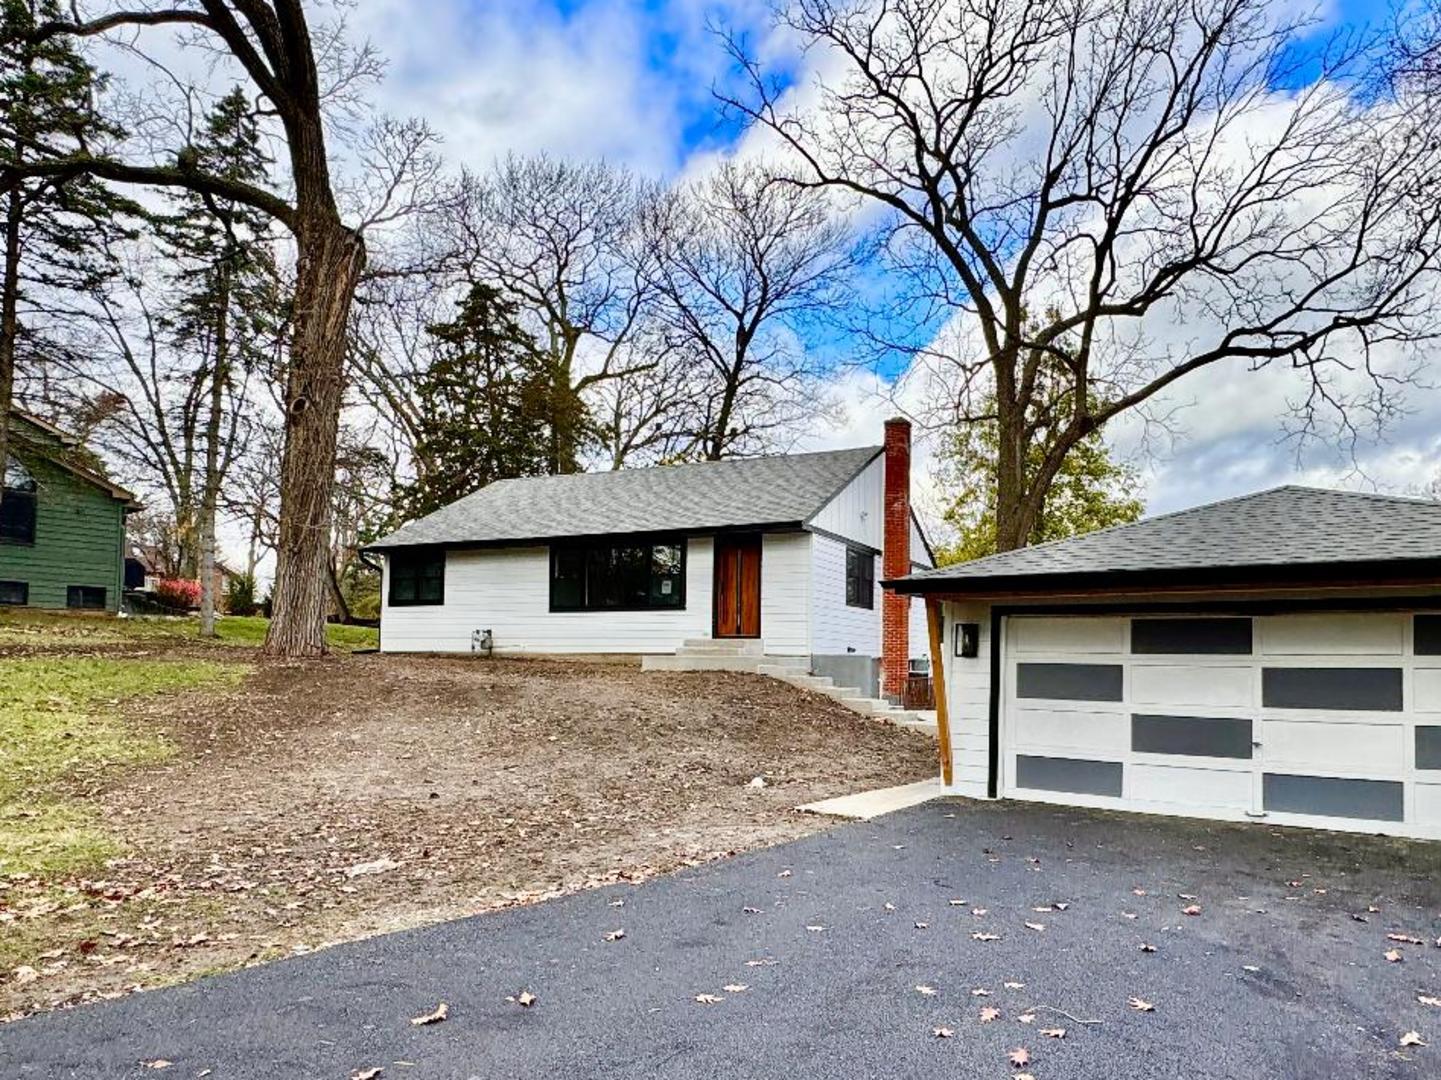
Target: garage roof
784 490
1289 531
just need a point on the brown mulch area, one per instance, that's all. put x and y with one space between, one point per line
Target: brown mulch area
331 800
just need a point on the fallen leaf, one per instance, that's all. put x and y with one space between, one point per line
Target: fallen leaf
708 999
440 1013
928 991
1141 1006
989 1013
1026 1018
161 1063
615 935
1250 967
1023 1076
735 988
1148 948
1054 1033
1393 955
1037 927
1139 892
922 925
982 936
956 903
1128 914
1425 999
1015 986
1359 917
980 992
1061 905
764 961
1405 939
750 911
1193 909
617 902
1020 1056
26 974
526 999
1412 1038
816 929
978 911
784 873
888 906
377 866
367 1074
942 1032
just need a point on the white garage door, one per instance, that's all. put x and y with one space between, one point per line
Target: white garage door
1318 719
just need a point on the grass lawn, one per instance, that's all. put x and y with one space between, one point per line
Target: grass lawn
47 628
59 726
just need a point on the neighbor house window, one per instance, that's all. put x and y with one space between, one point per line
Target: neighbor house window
17 507
617 575
14 592
860 578
417 577
89 597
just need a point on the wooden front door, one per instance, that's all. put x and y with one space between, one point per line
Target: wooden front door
738 586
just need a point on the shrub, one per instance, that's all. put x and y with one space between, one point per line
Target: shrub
240 599
178 592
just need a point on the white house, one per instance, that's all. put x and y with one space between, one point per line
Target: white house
779 550
1275 657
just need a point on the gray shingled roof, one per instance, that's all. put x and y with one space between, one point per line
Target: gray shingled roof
1285 526
703 495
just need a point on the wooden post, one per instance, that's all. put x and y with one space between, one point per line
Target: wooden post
938 679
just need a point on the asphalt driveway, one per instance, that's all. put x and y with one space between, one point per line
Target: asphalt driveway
1277 976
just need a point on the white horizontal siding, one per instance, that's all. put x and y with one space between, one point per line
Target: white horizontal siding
837 628
968 700
920 634
785 592
507 591
857 512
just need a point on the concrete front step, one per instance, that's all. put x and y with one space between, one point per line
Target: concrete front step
680 661
727 646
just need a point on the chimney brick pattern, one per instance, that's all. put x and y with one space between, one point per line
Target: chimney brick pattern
896 558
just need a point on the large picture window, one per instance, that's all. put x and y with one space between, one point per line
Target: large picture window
617 575
17 507
860 578
417 577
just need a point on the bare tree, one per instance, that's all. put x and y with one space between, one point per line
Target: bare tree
559 238
742 265
1068 181
294 72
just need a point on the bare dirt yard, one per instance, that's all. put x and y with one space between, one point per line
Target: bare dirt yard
277 808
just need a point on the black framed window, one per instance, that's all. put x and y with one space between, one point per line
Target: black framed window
417 577
17 507
14 592
617 575
87 597
860 578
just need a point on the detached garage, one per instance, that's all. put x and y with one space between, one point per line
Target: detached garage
1273 657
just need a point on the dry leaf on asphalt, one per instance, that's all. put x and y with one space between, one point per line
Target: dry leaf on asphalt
1139 892
1426 999
888 906
1147 947
617 902
366 1074
1393 955
928 991
708 999
816 929
982 936
1036 926
750 911
1412 1038
979 911
1405 939
1193 909
1020 1056
1054 1033
1015 986
158 1063
1026 1018
989 1013
922 925
440 1013
526 999
956 903
764 961
1023 1076
942 1032
735 988
1141 1006
980 991
784 873
615 935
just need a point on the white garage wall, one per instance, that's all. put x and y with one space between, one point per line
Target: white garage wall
507 590
968 700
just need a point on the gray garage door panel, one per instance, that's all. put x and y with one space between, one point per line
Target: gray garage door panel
1069 682
1428 747
1368 689
1192 736
1374 800
1213 637
1074 776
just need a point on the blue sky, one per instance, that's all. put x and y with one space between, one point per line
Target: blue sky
631 81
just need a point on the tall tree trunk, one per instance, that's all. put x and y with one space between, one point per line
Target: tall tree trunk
211 492
331 258
1012 526
9 323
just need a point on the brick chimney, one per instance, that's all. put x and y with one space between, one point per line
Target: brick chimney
896 558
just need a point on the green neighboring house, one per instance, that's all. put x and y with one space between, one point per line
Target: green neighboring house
62 524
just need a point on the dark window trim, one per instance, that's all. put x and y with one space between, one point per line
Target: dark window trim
416 554
24 587
865 598
74 592
645 540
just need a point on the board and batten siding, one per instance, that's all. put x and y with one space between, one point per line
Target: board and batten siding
79 539
507 591
837 629
857 511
